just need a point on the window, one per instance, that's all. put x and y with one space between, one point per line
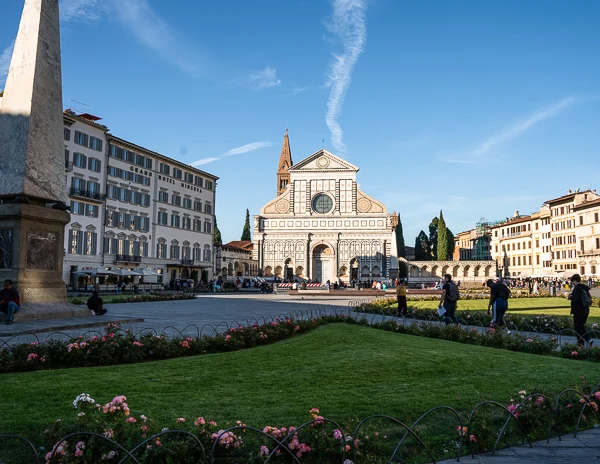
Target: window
174 252
161 250
597 247
537 259
163 218
78 184
208 185
177 173
165 169
94 164
189 178
175 220
92 211
207 227
207 208
207 254
113 192
124 195
187 223
580 220
67 134
322 203
77 208
176 200
198 181
593 269
187 203
80 160
81 139
145 199
198 205
95 144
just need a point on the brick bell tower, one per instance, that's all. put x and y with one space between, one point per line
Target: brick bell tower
285 163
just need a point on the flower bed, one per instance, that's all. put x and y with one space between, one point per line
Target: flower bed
534 323
96 431
120 347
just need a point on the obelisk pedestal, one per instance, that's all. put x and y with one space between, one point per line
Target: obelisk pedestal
33 214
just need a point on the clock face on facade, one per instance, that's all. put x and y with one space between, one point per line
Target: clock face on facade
322 203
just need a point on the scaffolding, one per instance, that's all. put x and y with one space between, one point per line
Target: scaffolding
481 242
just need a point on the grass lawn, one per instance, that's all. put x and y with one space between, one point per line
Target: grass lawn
347 371
555 306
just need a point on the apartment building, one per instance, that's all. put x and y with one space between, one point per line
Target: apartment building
512 245
85 166
563 224
587 237
133 208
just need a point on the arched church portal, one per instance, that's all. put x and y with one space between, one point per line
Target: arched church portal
323 263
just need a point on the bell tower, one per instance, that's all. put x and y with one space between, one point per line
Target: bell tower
285 163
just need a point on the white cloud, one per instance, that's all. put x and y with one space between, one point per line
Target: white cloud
5 62
234 151
297 90
139 19
152 31
264 79
247 148
477 155
81 10
348 23
202 161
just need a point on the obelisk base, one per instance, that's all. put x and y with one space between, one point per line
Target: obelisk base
31 255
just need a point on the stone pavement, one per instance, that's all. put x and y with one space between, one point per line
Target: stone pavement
570 450
204 310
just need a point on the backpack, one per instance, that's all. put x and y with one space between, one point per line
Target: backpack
504 292
452 294
586 299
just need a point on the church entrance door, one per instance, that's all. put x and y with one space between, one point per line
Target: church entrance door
323 263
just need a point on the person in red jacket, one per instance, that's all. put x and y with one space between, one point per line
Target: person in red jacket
10 301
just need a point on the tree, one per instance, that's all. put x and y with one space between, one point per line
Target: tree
450 243
217 234
442 236
433 238
400 245
246 235
422 247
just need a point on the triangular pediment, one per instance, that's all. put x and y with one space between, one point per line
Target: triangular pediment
323 161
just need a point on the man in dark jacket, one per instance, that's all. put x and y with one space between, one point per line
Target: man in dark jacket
95 304
499 295
10 301
579 309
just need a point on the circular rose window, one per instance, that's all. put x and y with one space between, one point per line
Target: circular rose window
322 203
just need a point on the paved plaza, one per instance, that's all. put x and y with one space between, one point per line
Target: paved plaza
570 450
204 310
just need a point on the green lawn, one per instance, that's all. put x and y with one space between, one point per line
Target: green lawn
347 371
551 305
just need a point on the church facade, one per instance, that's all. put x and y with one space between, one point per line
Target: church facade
322 226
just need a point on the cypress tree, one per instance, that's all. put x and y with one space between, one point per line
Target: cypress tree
422 247
442 236
217 234
400 245
433 238
246 235
450 243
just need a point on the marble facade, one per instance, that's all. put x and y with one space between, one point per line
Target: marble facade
322 226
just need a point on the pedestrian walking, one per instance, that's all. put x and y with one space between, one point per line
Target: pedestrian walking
401 298
581 300
449 299
499 295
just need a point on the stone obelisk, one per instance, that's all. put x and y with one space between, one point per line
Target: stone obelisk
32 172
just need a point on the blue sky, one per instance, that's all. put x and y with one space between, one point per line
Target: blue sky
477 108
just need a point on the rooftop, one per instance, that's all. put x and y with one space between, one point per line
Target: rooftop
244 245
569 196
